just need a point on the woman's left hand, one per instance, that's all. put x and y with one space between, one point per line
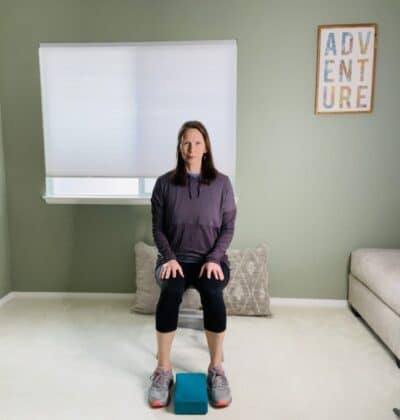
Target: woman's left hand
212 268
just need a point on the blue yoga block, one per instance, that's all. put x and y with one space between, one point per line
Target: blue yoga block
190 395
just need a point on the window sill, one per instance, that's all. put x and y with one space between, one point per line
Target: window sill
98 199
101 199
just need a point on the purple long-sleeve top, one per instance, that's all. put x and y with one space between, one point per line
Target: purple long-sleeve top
194 222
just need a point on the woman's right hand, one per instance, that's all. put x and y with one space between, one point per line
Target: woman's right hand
171 267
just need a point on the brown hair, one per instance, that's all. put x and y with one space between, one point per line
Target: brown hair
208 170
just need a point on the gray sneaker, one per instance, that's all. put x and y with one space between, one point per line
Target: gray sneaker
160 389
218 388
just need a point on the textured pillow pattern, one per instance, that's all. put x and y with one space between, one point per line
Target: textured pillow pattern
247 290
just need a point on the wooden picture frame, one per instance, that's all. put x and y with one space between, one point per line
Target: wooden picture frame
346 61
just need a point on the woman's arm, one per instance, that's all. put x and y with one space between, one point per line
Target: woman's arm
227 227
157 211
225 237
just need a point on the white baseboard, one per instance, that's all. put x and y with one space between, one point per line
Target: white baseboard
273 300
308 302
58 295
6 298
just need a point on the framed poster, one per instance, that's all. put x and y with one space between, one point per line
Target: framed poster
346 56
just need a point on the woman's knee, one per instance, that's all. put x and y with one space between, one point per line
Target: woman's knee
172 290
211 289
213 302
167 308
215 317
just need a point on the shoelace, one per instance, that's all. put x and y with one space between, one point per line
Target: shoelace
219 380
159 379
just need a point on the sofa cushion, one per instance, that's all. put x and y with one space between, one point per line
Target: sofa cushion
379 270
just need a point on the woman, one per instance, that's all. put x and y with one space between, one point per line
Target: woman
193 218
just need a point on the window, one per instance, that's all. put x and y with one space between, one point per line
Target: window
111 114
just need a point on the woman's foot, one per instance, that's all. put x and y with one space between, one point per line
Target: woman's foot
159 394
218 389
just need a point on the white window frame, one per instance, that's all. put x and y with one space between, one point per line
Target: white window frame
142 198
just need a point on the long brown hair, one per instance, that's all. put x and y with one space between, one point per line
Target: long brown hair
208 170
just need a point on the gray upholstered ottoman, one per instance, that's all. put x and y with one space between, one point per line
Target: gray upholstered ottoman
374 293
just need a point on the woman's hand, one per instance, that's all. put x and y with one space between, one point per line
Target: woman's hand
171 267
212 268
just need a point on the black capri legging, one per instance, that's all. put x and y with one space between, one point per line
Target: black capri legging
211 295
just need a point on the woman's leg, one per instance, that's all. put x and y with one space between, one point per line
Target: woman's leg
215 345
214 312
167 312
167 308
164 344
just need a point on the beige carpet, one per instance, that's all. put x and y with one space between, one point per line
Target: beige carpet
82 358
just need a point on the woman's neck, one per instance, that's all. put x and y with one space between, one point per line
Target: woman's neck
193 169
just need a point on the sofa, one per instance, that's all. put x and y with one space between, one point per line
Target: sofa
374 293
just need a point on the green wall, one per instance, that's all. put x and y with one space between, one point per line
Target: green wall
5 280
312 187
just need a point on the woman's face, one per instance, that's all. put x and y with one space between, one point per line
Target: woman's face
193 146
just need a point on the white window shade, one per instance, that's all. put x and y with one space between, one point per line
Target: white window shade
114 110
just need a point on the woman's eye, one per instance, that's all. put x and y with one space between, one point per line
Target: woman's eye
186 144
